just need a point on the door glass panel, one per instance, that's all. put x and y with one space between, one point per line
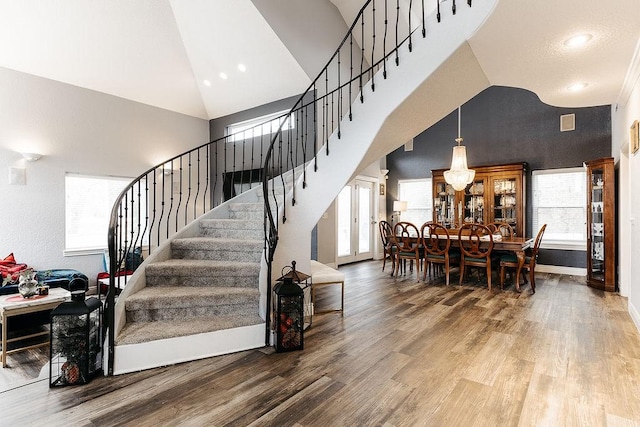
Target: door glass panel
344 221
364 218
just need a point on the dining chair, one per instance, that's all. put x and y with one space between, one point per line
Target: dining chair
530 261
386 231
406 239
476 244
503 228
437 249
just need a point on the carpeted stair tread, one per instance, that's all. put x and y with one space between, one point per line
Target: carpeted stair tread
204 273
235 224
198 267
189 296
217 242
139 332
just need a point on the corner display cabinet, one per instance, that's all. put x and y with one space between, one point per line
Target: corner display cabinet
601 224
497 194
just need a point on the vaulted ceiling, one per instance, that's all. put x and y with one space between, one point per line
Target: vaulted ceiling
209 58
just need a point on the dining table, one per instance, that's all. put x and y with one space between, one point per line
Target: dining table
516 244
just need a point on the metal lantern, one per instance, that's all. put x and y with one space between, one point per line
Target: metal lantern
289 313
75 351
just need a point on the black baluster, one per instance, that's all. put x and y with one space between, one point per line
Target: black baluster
384 41
373 43
397 23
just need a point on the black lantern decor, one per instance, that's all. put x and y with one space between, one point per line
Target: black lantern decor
75 352
289 315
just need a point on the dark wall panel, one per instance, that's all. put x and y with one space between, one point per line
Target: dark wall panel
508 125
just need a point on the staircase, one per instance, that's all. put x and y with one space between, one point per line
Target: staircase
221 255
207 289
210 284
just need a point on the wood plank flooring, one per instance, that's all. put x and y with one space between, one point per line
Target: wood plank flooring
406 353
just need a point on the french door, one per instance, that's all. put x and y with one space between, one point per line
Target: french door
356 220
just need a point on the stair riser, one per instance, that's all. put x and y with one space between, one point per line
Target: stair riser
230 233
217 255
187 279
173 313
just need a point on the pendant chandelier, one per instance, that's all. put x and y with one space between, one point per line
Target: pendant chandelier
459 175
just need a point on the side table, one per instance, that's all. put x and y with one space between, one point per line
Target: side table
14 305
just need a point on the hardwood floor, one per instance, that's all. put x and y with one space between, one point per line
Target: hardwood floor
405 353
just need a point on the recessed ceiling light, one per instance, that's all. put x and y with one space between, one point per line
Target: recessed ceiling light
576 87
242 68
579 40
206 82
223 76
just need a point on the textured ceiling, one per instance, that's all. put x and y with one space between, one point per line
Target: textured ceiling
159 52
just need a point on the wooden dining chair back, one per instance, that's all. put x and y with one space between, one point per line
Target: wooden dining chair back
476 245
437 248
386 232
406 238
502 228
531 259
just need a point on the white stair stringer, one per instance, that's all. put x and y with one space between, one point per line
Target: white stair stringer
440 74
136 357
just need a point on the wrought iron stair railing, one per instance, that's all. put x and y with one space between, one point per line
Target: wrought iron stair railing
333 92
167 197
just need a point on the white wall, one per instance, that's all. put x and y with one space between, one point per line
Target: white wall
623 114
76 130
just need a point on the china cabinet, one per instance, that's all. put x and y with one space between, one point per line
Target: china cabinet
495 195
601 224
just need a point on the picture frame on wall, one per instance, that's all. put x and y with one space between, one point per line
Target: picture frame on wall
634 142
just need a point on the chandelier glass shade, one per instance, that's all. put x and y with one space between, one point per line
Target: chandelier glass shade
459 175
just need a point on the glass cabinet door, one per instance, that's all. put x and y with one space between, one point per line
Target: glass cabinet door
474 202
504 203
597 249
444 204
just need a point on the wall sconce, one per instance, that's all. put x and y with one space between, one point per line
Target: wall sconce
31 157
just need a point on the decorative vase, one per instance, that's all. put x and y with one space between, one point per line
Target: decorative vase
28 285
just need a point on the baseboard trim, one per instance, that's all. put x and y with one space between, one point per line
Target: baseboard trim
635 315
559 269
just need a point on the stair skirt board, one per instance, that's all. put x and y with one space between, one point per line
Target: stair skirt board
153 354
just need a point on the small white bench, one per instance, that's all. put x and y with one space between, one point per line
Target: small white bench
322 275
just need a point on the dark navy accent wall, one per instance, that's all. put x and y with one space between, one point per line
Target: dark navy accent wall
508 125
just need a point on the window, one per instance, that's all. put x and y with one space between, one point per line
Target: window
559 200
418 195
252 129
88 204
